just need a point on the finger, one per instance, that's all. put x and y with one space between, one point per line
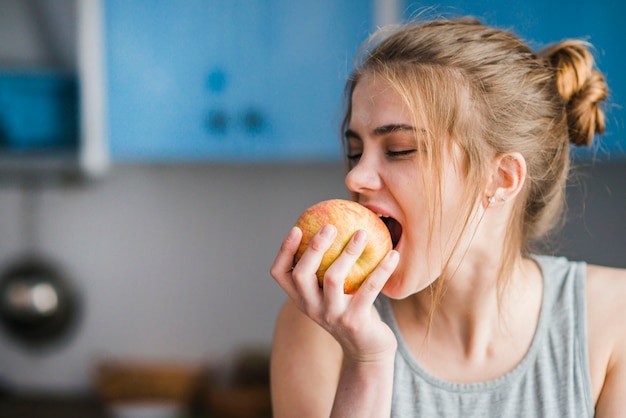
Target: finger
374 283
305 271
283 263
335 277
339 269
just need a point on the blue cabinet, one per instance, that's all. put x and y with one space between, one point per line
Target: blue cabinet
38 112
236 80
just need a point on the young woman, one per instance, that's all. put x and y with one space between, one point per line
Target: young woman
459 134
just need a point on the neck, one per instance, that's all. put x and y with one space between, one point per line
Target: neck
472 314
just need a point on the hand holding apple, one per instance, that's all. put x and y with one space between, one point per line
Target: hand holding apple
348 217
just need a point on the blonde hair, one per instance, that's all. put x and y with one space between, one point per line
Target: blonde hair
490 94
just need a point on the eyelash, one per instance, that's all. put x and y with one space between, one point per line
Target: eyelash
390 154
403 153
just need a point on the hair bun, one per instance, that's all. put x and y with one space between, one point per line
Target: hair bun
581 86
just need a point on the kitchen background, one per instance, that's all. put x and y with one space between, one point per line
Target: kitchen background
206 127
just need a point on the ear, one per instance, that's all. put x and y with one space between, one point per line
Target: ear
507 178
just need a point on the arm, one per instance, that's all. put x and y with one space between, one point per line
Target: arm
332 355
606 292
305 366
307 373
612 400
365 389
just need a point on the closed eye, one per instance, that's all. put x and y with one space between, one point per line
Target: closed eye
403 153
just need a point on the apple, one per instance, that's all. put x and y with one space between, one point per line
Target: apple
348 217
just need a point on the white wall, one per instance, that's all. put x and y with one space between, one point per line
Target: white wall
596 215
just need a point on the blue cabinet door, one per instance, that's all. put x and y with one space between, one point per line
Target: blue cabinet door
229 80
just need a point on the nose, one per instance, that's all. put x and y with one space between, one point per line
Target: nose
364 176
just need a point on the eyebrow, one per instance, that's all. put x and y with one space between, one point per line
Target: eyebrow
383 130
387 129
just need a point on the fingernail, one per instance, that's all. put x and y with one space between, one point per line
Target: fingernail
292 234
327 231
360 236
393 256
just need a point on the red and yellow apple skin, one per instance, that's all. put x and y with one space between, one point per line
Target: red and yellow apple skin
348 217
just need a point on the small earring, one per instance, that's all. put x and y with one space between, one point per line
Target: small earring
492 199
503 198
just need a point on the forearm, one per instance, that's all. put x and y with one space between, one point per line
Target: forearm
365 389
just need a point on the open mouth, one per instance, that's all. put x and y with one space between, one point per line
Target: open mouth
394 227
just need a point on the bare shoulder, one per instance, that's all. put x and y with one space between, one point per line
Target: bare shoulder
305 365
606 312
606 303
606 293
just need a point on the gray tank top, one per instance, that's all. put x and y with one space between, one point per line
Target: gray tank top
552 380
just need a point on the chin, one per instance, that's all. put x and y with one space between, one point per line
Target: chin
397 286
407 280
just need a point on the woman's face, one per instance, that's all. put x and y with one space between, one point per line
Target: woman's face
388 177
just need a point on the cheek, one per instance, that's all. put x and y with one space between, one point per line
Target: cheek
455 205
